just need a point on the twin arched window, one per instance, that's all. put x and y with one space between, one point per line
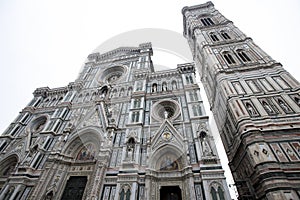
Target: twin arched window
207 21
225 35
197 110
189 79
135 117
215 36
229 58
217 194
241 54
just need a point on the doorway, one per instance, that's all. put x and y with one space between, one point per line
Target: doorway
75 188
170 193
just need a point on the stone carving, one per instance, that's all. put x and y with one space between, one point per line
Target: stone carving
130 149
284 106
206 149
251 110
267 107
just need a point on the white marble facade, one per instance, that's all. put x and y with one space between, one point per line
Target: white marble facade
121 131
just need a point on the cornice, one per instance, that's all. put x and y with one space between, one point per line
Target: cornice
144 47
186 68
196 7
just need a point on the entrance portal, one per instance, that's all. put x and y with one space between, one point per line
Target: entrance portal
75 188
170 193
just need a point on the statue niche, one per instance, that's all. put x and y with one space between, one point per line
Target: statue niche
130 149
206 149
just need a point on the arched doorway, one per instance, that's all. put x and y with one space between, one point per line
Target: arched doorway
170 193
75 188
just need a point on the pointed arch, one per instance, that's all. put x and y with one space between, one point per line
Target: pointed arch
167 155
78 140
103 91
125 192
213 193
7 165
217 191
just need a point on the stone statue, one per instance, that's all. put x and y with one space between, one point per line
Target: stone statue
166 114
251 109
206 148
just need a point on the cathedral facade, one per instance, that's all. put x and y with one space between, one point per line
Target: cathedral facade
255 102
120 131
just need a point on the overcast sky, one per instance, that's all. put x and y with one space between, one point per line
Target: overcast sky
45 43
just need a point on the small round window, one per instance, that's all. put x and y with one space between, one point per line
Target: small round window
166 109
112 74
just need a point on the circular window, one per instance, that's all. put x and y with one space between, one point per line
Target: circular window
112 74
38 124
166 109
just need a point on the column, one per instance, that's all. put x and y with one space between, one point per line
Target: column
4 191
191 188
133 191
18 188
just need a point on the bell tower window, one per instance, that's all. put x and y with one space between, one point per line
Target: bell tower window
229 58
214 37
207 21
225 35
243 55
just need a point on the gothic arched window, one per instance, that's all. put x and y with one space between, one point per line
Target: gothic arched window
103 91
213 193
68 96
207 21
243 55
225 35
197 110
154 87
164 86
221 193
139 86
193 95
135 117
121 92
136 103
125 193
53 101
214 37
189 79
228 57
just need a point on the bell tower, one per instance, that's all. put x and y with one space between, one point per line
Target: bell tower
255 103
